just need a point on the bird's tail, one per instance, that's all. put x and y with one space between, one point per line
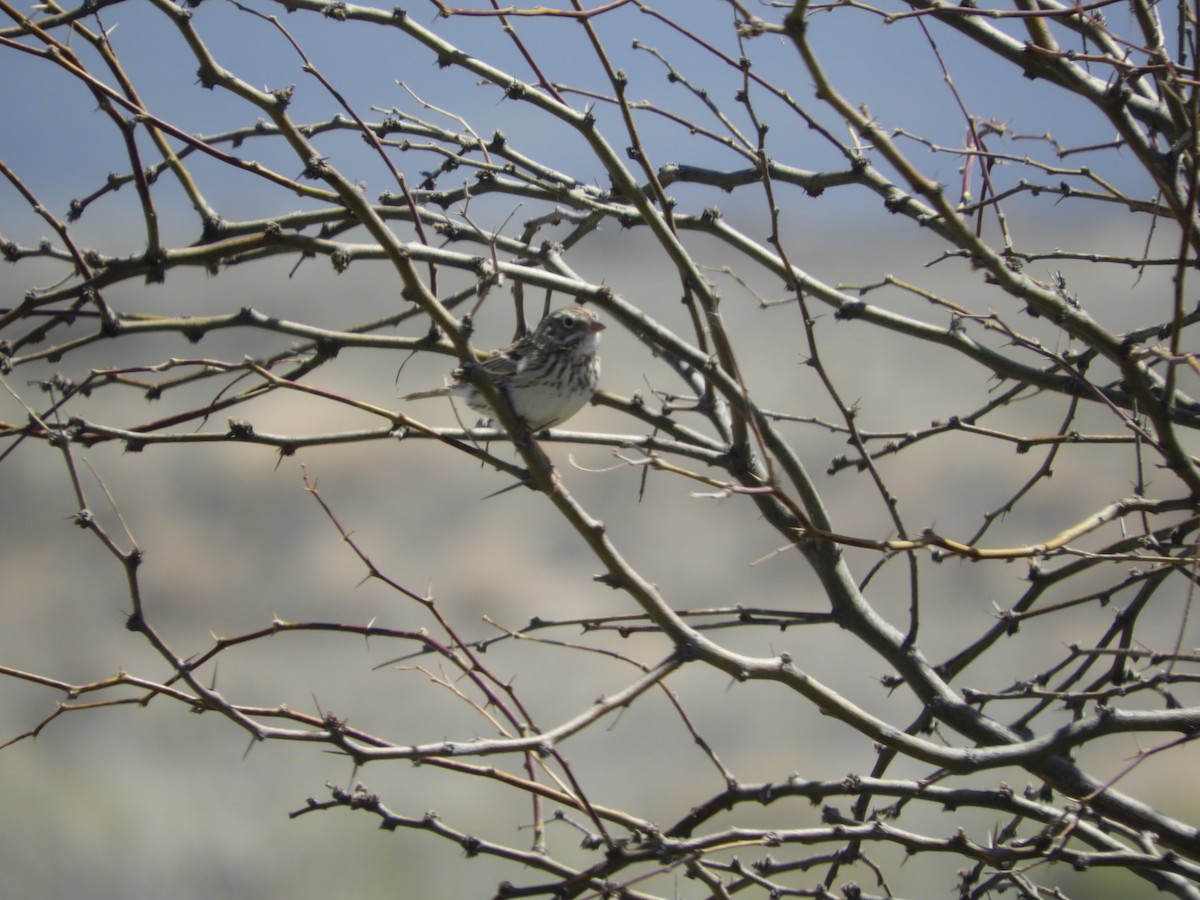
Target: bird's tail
422 395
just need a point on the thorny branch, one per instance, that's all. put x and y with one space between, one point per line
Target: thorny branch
741 398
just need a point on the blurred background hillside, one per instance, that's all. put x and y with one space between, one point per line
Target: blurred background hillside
159 802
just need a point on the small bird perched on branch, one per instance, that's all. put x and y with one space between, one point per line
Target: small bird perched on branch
548 375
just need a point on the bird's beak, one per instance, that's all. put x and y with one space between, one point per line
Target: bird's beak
598 326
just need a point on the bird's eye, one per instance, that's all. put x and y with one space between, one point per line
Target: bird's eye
569 321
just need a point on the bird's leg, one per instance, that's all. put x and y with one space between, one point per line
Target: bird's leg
525 439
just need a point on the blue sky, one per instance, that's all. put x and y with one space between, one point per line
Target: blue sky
64 148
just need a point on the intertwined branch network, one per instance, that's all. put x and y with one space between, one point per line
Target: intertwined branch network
871 275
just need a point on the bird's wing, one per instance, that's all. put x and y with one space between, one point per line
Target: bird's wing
502 365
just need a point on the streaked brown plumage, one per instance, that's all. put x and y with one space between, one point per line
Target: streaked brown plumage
548 375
